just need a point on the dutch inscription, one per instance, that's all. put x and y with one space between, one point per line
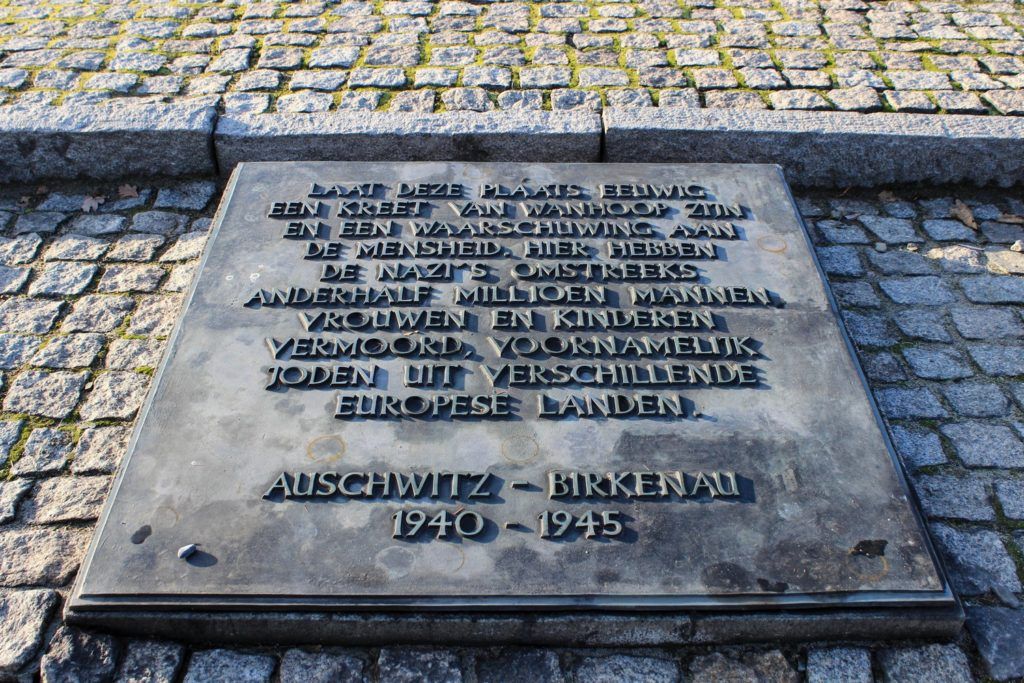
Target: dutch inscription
591 301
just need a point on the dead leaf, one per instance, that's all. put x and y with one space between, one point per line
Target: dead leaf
127 191
1012 219
963 213
42 189
887 196
92 203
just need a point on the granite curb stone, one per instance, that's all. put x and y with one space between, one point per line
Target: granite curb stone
368 136
834 149
105 141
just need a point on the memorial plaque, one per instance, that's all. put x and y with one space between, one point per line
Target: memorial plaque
509 389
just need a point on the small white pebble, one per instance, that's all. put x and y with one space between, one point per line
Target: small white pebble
912 247
880 246
186 551
1017 246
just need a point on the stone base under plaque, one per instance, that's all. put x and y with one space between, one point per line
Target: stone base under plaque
563 629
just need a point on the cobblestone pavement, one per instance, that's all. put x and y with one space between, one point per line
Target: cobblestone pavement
87 301
416 55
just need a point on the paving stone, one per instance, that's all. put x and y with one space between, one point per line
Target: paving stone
976 560
135 248
148 661
410 665
882 367
35 556
95 313
863 99
976 399
18 250
898 262
954 498
23 617
11 494
71 351
1010 493
843 261
299 666
839 665
998 360
945 230
16 349
67 499
924 290
63 278
733 99
984 445
869 329
857 294
130 278
917 447
537 665
155 315
1005 262
838 233
923 324
76 655
891 230
115 395
619 668
925 664
49 394
999 635
100 449
75 248
92 225
13 279
40 222
159 222
994 289
909 403
937 363
21 314
131 354
957 259
192 196
719 667
45 452
305 101
10 431
224 666
988 322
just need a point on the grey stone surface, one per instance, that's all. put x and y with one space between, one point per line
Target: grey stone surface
998 360
21 314
16 349
1011 497
76 142
300 666
226 666
75 248
62 278
48 394
976 399
622 668
839 665
985 445
99 449
954 498
499 136
70 351
977 560
38 556
193 196
23 616
76 655
45 452
925 664
907 403
826 149
11 493
114 395
999 634
66 499
97 313
149 661
409 665
537 665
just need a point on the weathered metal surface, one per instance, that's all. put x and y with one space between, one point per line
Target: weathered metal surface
821 517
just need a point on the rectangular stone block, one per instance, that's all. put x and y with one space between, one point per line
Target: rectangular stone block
602 390
379 136
106 141
826 149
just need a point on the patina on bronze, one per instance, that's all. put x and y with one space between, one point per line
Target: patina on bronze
521 396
